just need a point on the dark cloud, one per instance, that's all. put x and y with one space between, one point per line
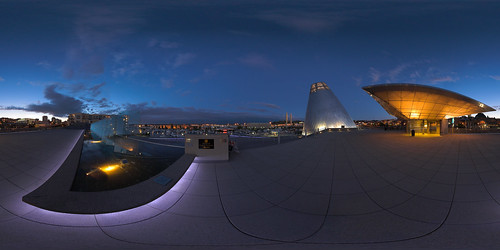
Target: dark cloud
183 58
96 89
93 66
256 60
142 113
125 67
163 44
12 108
303 21
81 65
268 105
88 91
98 26
45 65
95 29
260 107
104 103
259 110
58 105
61 105
68 72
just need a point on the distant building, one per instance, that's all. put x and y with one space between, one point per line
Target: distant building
110 126
85 118
258 125
27 121
324 111
55 121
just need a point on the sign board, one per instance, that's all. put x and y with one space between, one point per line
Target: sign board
211 147
206 143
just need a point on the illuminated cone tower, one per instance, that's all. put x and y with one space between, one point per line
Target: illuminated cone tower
324 111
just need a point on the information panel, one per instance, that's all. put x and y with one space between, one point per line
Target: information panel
206 143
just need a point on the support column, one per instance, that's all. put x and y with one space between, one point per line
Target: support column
444 126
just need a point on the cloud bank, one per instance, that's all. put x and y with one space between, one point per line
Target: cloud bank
58 104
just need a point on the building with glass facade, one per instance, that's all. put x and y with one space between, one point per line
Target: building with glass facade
427 109
324 111
111 126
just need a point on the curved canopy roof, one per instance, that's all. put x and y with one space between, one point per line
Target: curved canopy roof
413 101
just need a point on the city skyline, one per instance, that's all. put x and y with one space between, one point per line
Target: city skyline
236 61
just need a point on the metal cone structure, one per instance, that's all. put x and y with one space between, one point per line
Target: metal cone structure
324 111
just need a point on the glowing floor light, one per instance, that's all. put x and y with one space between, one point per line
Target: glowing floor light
109 168
106 169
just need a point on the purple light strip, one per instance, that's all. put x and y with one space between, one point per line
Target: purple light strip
146 211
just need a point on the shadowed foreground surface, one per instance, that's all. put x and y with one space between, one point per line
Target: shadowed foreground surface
334 190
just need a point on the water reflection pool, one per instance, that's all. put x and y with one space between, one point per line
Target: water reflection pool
123 161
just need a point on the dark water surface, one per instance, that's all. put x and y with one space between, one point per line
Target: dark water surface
122 162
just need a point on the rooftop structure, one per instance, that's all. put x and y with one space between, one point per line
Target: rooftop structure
85 118
324 111
424 106
110 126
365 190
412 101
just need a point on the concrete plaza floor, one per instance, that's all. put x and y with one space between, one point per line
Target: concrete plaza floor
340 190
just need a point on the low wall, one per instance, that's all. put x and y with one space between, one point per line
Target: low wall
56 195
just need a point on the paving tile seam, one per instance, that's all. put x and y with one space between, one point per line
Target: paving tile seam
202 195
260 237
272 204
274 182
8 219
422 235
158 244
369 242
162 211
10 181
196 216
395 183
479 176
275 206
40 222
178 245
28 174
396 154
389 209
326 215
330 197
495 167
473 224
432 198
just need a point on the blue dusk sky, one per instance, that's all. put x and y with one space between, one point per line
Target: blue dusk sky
238 61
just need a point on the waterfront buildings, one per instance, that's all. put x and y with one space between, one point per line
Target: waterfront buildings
110 126
24 124
85 118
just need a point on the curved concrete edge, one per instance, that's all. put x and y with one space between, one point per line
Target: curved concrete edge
62 179
56 195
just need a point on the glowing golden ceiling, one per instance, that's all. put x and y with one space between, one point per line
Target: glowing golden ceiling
413 101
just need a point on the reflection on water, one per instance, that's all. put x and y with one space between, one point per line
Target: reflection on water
119 162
